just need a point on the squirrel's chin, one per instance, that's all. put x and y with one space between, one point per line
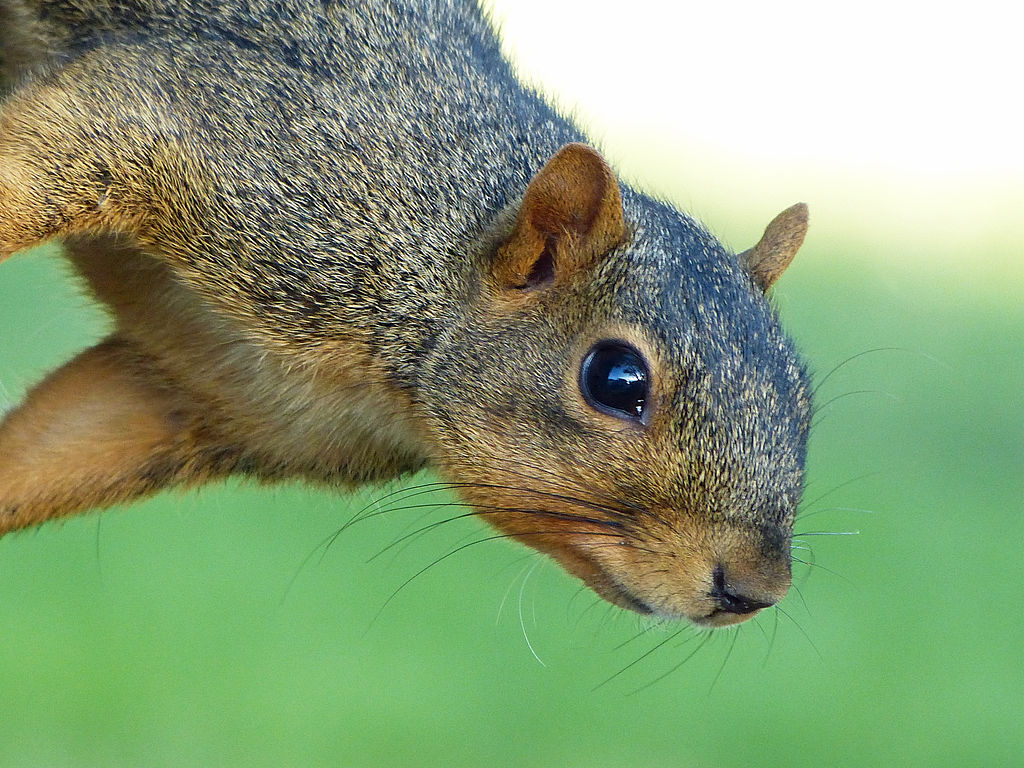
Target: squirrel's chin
717 619
621 597
601 578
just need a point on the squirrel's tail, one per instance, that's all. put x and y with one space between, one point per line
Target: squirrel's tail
23 39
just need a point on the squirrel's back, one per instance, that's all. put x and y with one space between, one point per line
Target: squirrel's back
401 111
312 36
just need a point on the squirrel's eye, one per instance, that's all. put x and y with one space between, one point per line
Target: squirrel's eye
613 379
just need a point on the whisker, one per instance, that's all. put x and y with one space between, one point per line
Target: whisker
508 591
728 655
821 510
425 529
803 600
482 512
631 640
426 568
460 548
807 637
849 360
325 543
612 500
588 503
756 621
813 561
580 590
694 652
807 505
401 543
406 494
522 623
819 567
609 611
558 481
362 514
639 659
584 503
775 633
817 418
396 496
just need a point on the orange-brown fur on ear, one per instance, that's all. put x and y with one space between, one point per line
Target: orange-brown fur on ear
572 209
778 245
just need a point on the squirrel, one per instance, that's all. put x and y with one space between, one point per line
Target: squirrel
342 242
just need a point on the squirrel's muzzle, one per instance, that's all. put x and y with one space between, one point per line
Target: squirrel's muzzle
713 581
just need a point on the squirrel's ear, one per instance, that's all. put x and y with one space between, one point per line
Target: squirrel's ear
775 250
570 215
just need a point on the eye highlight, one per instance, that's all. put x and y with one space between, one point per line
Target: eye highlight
614 380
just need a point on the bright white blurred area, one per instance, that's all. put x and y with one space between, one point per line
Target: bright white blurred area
902 116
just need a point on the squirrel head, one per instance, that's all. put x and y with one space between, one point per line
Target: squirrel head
619 396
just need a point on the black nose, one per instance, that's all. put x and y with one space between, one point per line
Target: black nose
730 598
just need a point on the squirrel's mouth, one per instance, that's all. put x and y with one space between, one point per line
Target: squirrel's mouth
614 593
698 579
686 596
603 581
574 553
618 595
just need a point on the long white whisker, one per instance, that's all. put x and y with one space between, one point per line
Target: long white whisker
508 591
522 622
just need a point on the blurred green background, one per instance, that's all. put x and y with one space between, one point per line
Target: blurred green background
214 628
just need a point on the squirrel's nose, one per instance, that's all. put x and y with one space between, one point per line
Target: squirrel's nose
732 597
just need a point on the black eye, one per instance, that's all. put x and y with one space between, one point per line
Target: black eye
613 379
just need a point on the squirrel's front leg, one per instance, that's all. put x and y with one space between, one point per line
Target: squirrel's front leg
86 150
105 428
84 153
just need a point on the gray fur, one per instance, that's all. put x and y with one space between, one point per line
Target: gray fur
332 171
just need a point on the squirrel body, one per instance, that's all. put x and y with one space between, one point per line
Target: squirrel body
342 242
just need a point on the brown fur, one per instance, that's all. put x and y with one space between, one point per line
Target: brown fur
316 276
